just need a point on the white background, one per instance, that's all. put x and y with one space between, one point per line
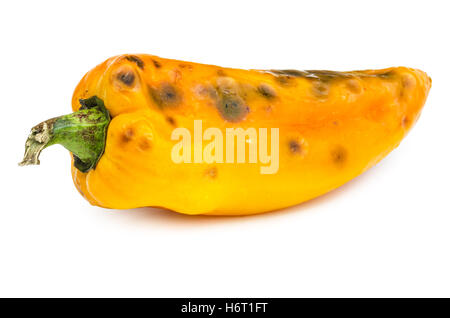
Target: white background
386 233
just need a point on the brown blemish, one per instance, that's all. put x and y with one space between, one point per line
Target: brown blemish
232 108
144 144
184 65
136 60
156 63
245 89
266 91
295 147
321 75
284 80
165 95
171 121
127 135
387 75
175 75
339 155
82 116
408 81
406 122
229 103
327 76
283 77
126 77
211 173
268 108
353 86
320 89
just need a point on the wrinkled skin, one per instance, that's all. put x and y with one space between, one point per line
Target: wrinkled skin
332 127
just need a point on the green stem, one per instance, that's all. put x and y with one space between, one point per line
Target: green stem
83 133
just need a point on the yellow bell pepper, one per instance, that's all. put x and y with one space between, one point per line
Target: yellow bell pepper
146 132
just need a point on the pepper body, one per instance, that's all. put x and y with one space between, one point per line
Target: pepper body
332 127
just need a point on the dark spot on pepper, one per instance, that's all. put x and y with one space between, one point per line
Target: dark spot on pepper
184 65
339 155
221 72
407 83
405 122
165 95
211 172
38 129
284 80
320 89
387 75
156 63
171 121
127 135
266 91
126 77
327 76
232 107
82 116
295 147
88 135
324 76
91 102
81 192
144 144
229 102
353 86
136 60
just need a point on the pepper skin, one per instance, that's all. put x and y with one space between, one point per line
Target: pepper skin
333 126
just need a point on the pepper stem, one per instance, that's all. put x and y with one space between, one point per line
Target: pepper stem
83 133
